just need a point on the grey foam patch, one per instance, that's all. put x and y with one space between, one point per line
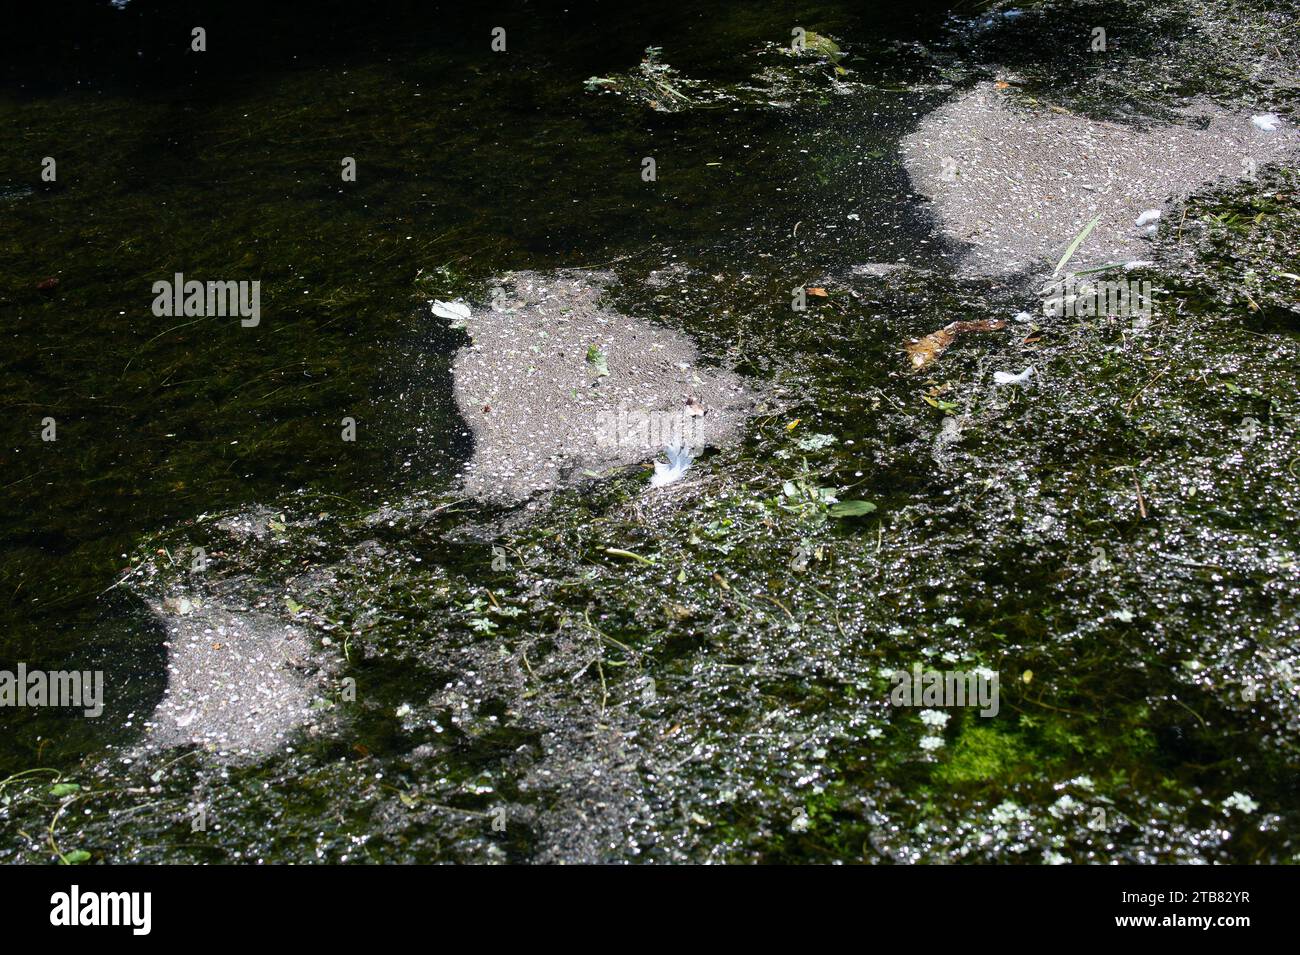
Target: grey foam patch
239 682
540 414
1017 184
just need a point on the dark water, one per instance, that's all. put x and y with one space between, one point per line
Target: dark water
226 165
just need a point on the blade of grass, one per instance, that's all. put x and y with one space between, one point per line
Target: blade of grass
1074 246
619 552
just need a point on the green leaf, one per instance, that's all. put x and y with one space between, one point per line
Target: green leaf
940 403
64 789
596 358
851 508
76 857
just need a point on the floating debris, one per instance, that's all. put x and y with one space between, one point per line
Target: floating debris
851 508
457 312
1012 209
782 75
240 681
925 350
1006 378
598 361
653 83
679 459
553 422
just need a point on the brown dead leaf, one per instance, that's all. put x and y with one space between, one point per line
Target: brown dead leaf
927 349
816 290
1001 85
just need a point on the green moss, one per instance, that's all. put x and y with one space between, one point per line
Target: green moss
985 754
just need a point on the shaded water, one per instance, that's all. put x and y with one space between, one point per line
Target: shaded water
766 737
227 165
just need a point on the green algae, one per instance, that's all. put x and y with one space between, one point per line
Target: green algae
984 754
728 700
784 76
767 682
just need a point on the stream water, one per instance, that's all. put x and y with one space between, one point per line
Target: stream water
1123 735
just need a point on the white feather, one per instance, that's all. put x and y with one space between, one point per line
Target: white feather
679 459
1006 378
1266 121
456 311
